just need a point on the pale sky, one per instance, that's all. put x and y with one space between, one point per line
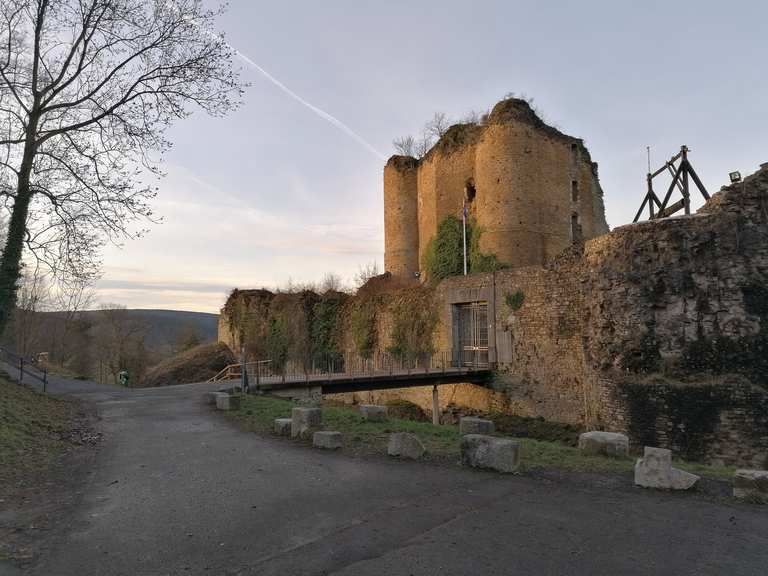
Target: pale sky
277 192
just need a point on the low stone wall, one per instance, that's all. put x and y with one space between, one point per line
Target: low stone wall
724 421
476 398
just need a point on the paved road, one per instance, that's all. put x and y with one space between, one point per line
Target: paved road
177 490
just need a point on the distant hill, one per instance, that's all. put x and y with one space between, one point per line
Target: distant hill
166 325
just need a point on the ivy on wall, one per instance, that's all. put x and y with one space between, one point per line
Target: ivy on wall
362 325
444 256
414 322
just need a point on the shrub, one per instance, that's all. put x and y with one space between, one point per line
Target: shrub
515 300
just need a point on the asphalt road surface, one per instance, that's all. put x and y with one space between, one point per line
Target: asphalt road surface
176 489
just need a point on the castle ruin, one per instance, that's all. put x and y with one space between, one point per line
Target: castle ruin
532 190
657 329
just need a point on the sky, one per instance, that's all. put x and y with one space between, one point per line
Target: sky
278 192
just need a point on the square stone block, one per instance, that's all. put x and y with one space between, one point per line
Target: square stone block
405 445
305 420
473 425
751 485
283 426
604 443
226 401
654 470
500 454
373 413
327 440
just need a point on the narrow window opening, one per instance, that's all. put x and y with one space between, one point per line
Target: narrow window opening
575 229
575 190
469 191
574 153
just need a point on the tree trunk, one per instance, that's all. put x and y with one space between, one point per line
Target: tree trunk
10 264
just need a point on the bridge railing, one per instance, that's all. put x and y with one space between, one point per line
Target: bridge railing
331 366
336 366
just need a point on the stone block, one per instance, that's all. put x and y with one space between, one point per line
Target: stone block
472 425
210 398
654 470
373 413
305 420
283 426
405 445
500 454
751 485
226 401
604 443
327 440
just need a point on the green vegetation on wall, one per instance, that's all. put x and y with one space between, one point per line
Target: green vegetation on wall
414 321
324 324
362 324
276 343
444 255
515 300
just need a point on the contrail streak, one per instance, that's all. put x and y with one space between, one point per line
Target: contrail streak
320 112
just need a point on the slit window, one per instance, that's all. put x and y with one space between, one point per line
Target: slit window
575 228
574 153
574 190
470 192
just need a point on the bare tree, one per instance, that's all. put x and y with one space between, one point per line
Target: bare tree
423 145
438 126
120 342
27 323
69 328
366 272
87 91
406 146
331 283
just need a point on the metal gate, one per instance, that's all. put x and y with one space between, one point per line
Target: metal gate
470 334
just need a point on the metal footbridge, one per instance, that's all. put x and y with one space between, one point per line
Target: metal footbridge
350 373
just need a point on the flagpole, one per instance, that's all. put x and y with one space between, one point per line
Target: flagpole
464 229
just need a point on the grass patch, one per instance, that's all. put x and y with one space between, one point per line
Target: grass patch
258 413
34 429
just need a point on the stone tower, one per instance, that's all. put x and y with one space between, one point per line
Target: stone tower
533 190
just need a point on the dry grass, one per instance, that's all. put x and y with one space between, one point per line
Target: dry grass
34 429
197 364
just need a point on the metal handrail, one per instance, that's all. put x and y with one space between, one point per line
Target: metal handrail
26 366
328 367
235 370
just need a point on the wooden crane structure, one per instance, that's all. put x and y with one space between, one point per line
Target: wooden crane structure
682 173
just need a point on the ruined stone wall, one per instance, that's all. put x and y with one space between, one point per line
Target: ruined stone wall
529 181
722 420
682 299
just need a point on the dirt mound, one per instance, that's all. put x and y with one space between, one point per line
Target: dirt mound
406 410
195 365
